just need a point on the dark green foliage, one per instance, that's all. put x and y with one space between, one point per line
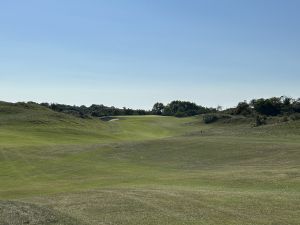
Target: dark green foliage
276 106
175 108
94 110
243 108
296 106
268 107
210 118
184 109
158 108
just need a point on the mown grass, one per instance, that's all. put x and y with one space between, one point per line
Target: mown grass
148 169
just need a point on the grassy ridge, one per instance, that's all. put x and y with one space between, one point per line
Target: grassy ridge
148 169
39 125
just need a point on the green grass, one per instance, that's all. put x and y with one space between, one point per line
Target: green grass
146 170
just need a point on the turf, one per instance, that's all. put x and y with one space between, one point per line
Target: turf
59 169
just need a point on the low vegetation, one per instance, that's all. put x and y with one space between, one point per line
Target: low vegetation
60 169
258 109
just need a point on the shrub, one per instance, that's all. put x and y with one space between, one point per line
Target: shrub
243 108
295 116
209 118
285 119
260 120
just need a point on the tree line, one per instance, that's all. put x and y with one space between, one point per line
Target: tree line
94 110
275 106
175 108
180 109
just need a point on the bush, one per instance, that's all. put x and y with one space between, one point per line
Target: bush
180 114
209 118
295 116
260 120
268 107
243 108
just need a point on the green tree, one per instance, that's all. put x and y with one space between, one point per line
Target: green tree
158 108
243 108
268 107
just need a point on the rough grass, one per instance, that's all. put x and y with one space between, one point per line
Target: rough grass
58 169
16 213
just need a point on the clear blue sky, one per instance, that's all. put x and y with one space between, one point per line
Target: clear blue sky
135 53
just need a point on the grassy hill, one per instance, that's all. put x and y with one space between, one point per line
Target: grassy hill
60 169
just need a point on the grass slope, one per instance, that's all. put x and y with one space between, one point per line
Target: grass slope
58 169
